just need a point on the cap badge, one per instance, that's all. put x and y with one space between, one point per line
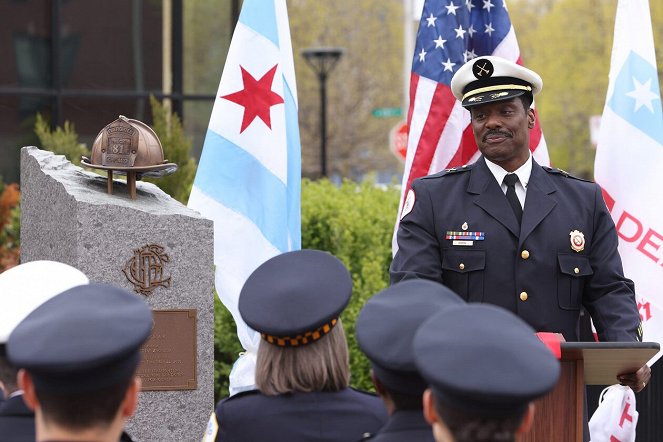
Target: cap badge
483 68
577 240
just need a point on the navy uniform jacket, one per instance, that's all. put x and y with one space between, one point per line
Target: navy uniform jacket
17 421
529 269
344 415
405 426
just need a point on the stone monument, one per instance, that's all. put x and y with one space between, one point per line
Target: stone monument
152 245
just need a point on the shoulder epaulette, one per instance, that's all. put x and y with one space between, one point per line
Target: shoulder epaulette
450 171
564 173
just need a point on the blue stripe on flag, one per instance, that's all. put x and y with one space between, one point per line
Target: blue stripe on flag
221 175
636 88
260 16
294 167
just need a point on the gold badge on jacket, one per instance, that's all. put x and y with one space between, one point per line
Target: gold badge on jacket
577 240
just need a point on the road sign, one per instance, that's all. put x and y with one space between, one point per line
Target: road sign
398 140
387 112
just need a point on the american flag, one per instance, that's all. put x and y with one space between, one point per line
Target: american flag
453 32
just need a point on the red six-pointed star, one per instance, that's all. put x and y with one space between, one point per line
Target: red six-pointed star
257 97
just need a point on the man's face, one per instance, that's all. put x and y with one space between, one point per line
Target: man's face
501 130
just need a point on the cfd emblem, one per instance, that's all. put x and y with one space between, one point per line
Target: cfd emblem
145 269
577 241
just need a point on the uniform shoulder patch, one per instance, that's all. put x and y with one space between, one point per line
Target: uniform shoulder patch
409 203
564 173
211 429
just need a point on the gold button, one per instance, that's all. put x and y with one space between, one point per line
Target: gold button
461 266
576 270
523 296
524 254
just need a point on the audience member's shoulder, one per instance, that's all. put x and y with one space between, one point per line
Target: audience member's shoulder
563 174
369 400
238 399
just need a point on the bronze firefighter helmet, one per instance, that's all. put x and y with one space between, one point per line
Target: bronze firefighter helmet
128 147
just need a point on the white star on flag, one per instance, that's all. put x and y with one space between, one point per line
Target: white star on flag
643 95
439 43
451 8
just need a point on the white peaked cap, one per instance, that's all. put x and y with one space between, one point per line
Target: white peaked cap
27 286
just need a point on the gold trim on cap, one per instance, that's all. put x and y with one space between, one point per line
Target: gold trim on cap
303 339
497 88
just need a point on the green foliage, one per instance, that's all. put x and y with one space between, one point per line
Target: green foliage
61 141
355 223
176 149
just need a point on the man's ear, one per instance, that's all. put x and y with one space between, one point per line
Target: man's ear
430 414
130 402
528 420
531 118
379 386
29 395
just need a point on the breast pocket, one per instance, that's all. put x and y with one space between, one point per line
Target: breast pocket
463 272
574 271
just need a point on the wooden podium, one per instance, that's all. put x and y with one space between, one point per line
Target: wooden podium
559 415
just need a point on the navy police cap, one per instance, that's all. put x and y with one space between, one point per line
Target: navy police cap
85 338
386 326
483 360
487 79
295 298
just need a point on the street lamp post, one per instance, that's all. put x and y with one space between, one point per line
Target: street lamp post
322 61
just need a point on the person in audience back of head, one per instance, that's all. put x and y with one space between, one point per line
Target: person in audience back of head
385 330
22 289
77 356
294 301
485 367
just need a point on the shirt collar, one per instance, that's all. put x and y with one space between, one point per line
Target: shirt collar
523 171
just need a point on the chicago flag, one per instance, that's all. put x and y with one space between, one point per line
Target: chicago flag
629 160
249 177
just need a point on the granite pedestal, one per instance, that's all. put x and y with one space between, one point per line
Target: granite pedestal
154 246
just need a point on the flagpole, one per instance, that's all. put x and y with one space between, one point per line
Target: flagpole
408 50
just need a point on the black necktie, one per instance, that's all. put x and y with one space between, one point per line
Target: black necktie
510 180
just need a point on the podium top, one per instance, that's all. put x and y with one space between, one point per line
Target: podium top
603 361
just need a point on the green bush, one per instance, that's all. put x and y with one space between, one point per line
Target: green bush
61 141
176 149
355 223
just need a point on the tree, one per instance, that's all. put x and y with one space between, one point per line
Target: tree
368 76
570 44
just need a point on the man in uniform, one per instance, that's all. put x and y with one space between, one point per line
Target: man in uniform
485 367
385 330
545 238
22 289
77 356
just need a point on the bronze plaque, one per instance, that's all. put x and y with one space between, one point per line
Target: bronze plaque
169 355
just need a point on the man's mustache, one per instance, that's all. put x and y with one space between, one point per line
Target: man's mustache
498 133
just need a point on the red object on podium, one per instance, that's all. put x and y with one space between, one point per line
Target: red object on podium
553 341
